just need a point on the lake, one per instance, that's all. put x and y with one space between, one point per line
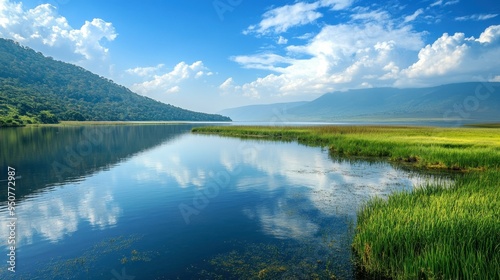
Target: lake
157 202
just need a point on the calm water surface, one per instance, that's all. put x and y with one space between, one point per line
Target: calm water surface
157 202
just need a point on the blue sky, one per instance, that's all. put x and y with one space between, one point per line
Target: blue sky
208 55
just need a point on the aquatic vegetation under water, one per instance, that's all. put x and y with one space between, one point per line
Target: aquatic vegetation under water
440 231
78 267
273 261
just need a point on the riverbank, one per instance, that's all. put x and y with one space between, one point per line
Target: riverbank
78 123
431 233
96 123
108 123
464 149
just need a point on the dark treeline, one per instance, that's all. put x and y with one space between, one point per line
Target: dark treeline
47 156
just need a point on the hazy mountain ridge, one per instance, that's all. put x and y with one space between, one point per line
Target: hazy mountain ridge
38 89
464 102
260 112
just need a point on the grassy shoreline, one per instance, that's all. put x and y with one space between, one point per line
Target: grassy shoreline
87 123
77 123
430 233
96 123
464 149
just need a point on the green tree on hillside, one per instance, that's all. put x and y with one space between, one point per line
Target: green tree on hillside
40 89
47 117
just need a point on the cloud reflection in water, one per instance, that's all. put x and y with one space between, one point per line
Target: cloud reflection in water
56 213
287 176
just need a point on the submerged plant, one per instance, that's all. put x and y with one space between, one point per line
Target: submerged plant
439 231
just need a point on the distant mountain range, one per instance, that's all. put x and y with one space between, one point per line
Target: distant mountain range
266 112
462 103
39 89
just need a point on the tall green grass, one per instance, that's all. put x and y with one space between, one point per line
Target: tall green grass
425 147
435 232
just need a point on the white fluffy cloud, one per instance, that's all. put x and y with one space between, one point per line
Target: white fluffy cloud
266 61
167 82
174 89
414 15
145 71
444 54
227 85
282 18
372 49
43 29
344 55
491 35
456 58
282 40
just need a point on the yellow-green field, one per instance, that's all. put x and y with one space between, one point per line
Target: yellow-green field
430 233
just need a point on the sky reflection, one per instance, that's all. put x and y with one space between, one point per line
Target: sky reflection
57 213
239 190
280 173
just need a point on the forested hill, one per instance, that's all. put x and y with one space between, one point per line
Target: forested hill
38 89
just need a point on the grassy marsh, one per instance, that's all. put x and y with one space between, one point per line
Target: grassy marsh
434 232
425 147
